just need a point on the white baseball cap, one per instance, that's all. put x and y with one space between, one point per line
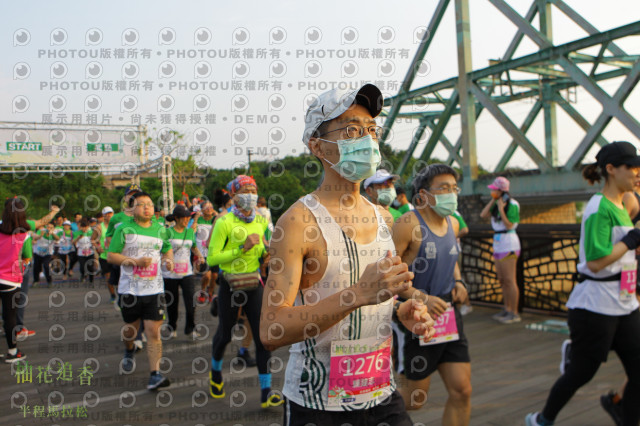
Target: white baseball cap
381 175
107 210
332 104
66 222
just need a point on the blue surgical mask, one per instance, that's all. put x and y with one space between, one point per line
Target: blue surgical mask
446 204
359 158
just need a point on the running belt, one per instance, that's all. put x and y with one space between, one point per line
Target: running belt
580 277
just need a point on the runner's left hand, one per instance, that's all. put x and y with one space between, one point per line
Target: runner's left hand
168 264
414 316
459 293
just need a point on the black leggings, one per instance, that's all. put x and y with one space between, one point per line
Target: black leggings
172 295
39 263
251 302
592 337
73 259
90 269
9 313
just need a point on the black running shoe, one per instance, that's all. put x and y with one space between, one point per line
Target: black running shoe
614 410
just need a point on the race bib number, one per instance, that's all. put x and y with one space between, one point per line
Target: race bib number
86 252
446 329
360 370
150 271
181 268
628 281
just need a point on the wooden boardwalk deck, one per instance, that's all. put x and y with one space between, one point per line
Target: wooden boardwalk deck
512 371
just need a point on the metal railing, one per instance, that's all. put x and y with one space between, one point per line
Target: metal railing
545 267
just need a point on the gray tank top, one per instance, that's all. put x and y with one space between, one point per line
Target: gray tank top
434 265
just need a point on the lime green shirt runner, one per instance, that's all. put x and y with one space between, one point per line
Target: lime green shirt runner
103 238
229 233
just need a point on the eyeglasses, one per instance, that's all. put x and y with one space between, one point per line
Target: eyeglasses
150 205
356 131
447 189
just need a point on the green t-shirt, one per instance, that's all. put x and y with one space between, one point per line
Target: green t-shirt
27 247
116 220
103 237
181 244
229 233
135 241
83 243
405 208
395 213
461 221
603 225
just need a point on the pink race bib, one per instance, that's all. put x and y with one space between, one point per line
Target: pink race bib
181 268
446 329
359 370
148 272
628 281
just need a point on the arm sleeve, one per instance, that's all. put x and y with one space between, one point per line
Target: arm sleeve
513 213
117 242
217 254
597 237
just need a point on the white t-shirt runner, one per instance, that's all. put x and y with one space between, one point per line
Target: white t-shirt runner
43 246
83 245
135 241
181 243
66 244
203 231
603 225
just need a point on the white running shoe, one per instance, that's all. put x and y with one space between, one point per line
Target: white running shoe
566 352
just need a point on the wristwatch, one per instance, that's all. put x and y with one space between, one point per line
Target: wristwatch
464 284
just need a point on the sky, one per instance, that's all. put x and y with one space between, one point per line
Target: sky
237 77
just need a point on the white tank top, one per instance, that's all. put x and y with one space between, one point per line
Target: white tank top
307 374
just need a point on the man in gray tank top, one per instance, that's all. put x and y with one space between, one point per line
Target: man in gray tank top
425 238
333 277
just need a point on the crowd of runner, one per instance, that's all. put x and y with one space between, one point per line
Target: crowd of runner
370 307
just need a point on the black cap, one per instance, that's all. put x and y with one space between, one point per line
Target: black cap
178 211
617 154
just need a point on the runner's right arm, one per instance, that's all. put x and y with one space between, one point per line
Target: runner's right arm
285 320
48 218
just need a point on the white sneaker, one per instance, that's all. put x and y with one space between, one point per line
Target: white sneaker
195 335
173 334
532 419
510 318
138 345
566 351
144 337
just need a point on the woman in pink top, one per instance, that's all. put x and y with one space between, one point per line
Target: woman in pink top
13 233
